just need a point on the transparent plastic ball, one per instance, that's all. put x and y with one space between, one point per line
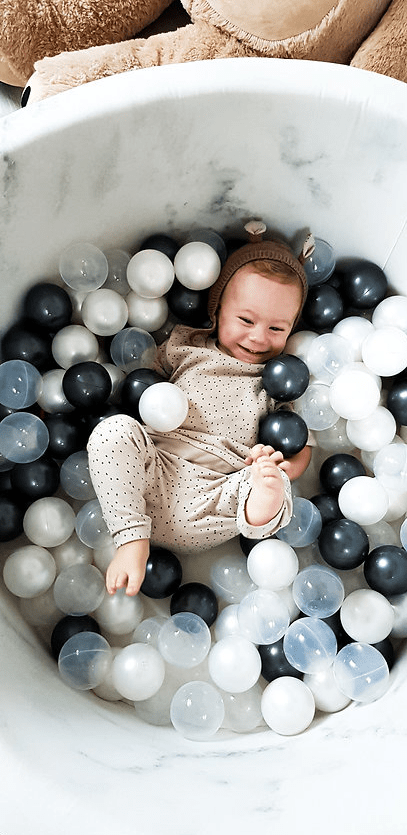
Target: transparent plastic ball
354 329
227 622
361 672
73 344
318 591
234 664
229 578
197 710
117 377
299 344
384 351
83 266
133 348
150 273
315 407
287 706
104 312
138 671
391 312
79 589
399 605
119 614
374 431
272 564
90 526
75 477
52 398
197 265
49 522
320 264
209 236
354 394
148 314
310 645
305 524
327 355
147 631
335 438
118 260
367 616
263 616
325 691
184 640
363 500
71 552
390 466
163 407
84 660
106 689
24 437
20 384
29 571
40 610
243 710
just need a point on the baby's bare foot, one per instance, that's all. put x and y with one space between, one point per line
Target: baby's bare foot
128 567
267 494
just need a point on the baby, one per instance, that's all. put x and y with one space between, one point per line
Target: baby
204 483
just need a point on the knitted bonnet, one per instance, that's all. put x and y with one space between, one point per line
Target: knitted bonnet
259 250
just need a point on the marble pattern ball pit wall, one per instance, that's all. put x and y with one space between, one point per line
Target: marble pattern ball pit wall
313 123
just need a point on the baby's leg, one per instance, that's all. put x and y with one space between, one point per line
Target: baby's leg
267 495
128 566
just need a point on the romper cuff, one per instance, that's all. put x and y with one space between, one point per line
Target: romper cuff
132 534
281 519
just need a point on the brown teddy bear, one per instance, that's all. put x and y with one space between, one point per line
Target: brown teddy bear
70 42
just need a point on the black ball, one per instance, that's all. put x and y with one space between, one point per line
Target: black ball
134 385
285 378
363 284
11 518
343 544
36 479
328 507
69 626
87 385
48 305
337 470
164 243
93 419
247 544
24 342
196 598
284 431
163 574
342 637
67 434
385 570
189 306
323 308
387 650
397 401
274 663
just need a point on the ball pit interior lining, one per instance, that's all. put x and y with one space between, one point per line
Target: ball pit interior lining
226 200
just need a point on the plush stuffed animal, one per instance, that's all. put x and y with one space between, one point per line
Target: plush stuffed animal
72 42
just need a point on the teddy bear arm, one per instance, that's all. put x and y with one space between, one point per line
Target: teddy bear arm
194 42
385 50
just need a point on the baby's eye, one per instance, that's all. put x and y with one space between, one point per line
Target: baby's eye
276 329
246 321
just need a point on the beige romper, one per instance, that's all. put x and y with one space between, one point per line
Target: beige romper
186 490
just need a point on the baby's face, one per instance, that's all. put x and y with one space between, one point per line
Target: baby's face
256 315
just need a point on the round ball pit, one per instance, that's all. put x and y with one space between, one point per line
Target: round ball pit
209 144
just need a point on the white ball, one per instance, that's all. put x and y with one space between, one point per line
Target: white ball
197 265
227 622
363 500
148 314
374 431
272 564
73 344
138 671
119 614
399 606
71 552
52 398
354 393
367 616
163 407
49 522
29 571
299 344
384 351
391 312
150 273
325 691
288 705
234 664
354 329
104 312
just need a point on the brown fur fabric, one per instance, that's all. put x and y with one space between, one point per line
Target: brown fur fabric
385 51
